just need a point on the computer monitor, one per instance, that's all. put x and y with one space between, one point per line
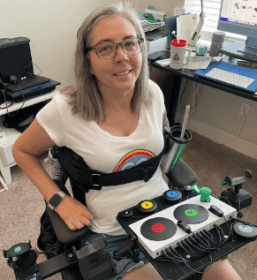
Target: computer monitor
15 58
240 17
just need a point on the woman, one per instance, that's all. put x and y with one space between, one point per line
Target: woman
113 114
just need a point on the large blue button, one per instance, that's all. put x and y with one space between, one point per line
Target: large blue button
172 194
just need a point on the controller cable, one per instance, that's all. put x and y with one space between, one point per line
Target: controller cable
230 235
186 243
225 198
207 268
207 233
172 252
197 271
166 253
199 240
222 231
185 262
204 235
198 234
183 242
193 240
185 249
218 231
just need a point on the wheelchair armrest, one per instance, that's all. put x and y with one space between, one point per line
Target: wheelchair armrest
182 175
63 233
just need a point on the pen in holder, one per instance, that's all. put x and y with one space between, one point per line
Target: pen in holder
178 137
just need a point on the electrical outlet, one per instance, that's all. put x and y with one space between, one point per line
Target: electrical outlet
244 109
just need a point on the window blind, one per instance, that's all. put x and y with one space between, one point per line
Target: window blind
211 9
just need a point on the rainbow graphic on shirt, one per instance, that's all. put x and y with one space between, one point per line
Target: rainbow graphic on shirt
132 159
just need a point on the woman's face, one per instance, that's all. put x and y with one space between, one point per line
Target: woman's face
120 73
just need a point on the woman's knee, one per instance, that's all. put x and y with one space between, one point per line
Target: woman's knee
146 272
221 270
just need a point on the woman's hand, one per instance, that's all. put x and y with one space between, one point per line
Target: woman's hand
74 213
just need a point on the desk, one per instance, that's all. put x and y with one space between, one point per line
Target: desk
171 92
6 158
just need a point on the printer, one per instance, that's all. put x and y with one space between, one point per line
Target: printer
156 40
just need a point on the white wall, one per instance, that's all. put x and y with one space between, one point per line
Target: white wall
51 25
216 116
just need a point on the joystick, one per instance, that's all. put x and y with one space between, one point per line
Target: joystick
235 194
188 188
20 256
126 214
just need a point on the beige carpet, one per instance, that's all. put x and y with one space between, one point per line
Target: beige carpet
22 206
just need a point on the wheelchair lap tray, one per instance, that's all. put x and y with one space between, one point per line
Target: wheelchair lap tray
63 233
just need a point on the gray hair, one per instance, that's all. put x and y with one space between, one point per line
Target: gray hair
85 97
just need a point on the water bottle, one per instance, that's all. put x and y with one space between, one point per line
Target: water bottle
175 146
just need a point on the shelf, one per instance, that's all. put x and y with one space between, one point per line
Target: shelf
17 105
11 134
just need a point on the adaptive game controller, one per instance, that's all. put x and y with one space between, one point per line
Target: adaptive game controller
189 226
171 224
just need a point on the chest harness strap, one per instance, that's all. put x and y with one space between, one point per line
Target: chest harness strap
85 178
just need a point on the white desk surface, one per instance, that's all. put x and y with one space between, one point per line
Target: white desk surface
17 105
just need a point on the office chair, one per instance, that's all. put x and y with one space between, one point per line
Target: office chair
55 236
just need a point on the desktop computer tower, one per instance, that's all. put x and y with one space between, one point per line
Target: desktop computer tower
15 58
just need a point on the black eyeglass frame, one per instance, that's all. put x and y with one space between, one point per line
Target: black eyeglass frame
141 40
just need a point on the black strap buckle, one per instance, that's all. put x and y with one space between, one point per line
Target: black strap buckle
149 173
96 184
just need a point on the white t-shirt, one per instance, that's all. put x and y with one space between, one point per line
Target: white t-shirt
108 153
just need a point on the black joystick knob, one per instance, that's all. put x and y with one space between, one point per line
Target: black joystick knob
188 188
126 214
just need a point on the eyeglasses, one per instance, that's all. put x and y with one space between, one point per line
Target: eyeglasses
108 49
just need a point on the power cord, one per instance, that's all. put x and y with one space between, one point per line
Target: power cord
3 87
236 137
194 97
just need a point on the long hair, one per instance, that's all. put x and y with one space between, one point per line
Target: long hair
85 97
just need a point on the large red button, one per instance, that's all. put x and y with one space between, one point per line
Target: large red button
158 227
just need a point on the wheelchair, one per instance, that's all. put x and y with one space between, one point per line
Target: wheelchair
180 176
62 246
